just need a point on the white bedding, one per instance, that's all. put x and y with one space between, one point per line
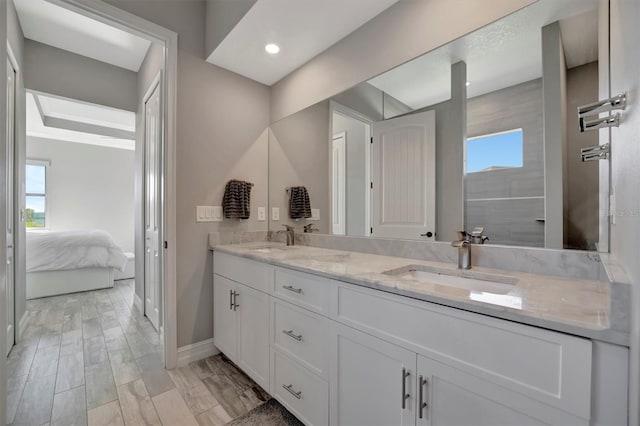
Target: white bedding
63 250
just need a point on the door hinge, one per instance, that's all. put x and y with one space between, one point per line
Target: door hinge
166 245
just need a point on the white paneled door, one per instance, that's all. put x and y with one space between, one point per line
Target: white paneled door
152 208
11 96
404 177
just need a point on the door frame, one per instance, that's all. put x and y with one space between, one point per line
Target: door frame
131 23
11 58
342 216
156 82
337 108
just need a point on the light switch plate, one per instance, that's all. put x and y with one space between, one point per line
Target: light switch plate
209 214
262 214
275 213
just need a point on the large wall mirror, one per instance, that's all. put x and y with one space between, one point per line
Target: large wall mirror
480 133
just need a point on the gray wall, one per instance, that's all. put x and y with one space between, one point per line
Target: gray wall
417 27
625 157
221 17
222 121
88 187
299 156
507 202
152 64
554 72
58 72
356 172
583 179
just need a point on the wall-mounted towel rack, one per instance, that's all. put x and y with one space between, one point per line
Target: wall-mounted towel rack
615 103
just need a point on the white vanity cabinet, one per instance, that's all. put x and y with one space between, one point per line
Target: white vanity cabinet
342 354
241 314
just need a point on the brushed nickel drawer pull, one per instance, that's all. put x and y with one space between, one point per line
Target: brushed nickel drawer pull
422 404
405 395
292 288
235 304
289 389
231 299
291 334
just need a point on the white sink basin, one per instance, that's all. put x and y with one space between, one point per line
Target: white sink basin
468 280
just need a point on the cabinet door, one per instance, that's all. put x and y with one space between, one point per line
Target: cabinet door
372 381
225 327
449 396
253 334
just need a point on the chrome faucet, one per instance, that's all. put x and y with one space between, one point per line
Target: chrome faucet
308 229
464 250
290 231
477 237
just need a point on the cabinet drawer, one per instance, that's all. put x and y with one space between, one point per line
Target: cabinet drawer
302 393
302 289
302 335
551 367
248 272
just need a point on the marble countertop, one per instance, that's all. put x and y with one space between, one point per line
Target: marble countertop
591 309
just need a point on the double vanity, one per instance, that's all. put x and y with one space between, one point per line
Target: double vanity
347 338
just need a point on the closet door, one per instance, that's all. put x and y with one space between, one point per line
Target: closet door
153 213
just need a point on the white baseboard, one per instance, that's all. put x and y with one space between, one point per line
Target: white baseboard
196 352
137 302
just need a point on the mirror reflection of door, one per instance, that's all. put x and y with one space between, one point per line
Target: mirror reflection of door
339 189
404 176
152 264
10 275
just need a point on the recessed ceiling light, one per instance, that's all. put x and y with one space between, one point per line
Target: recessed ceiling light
272 48
468 84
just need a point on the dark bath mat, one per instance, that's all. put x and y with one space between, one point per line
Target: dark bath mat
271 413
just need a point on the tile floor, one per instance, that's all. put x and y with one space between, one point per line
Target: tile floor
92 358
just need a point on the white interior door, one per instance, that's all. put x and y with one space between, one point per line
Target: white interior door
404 177
11 91
153 249
339 153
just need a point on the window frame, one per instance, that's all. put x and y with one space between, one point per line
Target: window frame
46 164
502 132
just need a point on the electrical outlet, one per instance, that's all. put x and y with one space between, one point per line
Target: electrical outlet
262 214
315 214
275 213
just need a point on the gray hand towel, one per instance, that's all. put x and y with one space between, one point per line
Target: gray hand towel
299 204
236 202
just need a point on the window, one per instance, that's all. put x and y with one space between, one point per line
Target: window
36 191
495 151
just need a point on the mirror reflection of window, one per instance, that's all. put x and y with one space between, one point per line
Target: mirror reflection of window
496 151
36 195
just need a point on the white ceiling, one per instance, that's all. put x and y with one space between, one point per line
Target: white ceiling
64 119
302 29
56 26
500 55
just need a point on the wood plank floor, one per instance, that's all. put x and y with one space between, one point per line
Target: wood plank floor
92 358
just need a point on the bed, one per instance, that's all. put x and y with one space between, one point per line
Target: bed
62 262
